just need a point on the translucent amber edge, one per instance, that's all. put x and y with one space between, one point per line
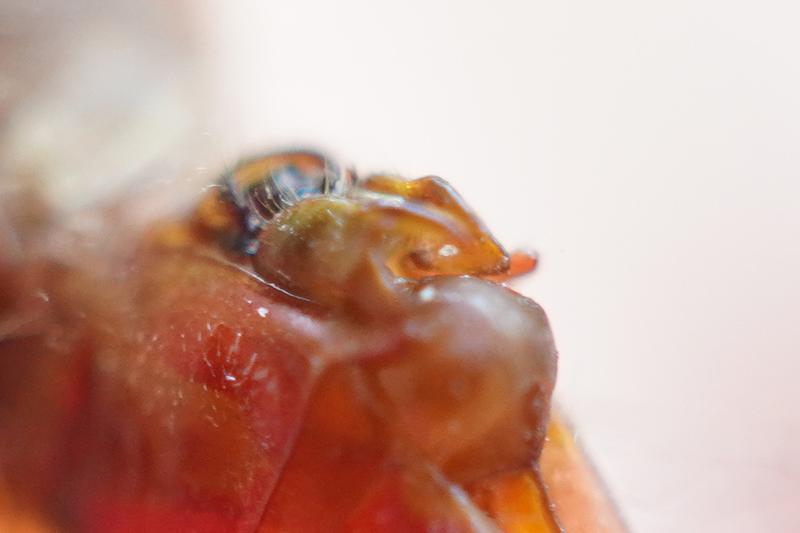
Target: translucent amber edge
580 500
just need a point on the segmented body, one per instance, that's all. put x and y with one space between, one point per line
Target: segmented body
403 381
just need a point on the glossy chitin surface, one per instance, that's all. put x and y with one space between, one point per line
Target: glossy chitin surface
342 360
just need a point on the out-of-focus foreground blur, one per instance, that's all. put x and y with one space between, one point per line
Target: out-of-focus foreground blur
648 151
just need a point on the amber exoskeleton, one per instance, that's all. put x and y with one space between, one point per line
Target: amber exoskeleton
305 351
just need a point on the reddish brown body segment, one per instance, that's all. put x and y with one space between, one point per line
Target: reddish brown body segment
356 374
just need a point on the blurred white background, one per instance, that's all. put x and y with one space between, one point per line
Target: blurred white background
649 150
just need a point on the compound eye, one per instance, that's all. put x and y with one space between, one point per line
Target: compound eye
257 189
265 186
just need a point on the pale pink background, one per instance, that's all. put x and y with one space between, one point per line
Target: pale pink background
649 150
